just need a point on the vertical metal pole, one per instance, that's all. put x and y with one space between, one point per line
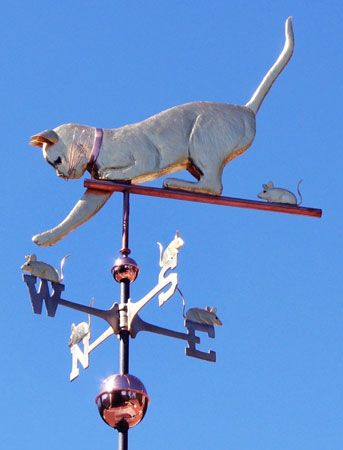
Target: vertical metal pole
124 335
122 439
125 287
125 230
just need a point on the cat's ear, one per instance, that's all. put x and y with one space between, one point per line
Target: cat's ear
49 137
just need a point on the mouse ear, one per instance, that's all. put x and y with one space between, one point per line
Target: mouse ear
270 184
33 257
265 186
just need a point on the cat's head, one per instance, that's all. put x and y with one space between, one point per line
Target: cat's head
66 148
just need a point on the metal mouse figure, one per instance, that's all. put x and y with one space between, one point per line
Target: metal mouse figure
168 256
203 316
79 331
279 195
206 316
43 270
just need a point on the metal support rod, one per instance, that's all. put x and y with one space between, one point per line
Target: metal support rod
123 438
124 290
126 215
124 334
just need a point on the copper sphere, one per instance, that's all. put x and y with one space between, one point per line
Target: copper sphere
122 401
125 268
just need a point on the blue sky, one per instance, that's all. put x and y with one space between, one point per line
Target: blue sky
275 279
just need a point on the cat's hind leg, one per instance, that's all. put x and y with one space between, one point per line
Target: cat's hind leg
205 161
208 184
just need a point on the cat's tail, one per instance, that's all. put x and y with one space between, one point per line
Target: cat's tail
256 100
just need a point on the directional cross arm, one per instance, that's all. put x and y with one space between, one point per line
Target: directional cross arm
52 300
110 315
140 325
192 339
135 307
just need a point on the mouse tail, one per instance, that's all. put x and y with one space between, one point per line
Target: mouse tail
91 304
64 259
161 253
258 96
183 301
299 193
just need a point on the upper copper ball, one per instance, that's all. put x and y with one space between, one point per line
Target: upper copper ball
122 401
125 268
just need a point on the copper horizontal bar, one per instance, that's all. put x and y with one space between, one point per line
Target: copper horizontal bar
109 186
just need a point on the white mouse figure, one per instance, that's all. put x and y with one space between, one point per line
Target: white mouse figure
279 195
168 257
79 331
43 270
206 316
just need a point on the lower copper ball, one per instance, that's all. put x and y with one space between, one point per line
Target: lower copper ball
122 401
125 268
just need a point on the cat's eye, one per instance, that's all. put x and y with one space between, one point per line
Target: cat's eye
58 161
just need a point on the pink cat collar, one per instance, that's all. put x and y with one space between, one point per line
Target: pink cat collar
99 133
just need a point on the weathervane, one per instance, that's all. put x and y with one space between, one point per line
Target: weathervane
125 268
201 137
123 399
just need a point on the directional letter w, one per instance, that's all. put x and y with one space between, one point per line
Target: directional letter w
51 301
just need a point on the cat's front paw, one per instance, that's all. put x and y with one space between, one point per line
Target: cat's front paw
45 239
